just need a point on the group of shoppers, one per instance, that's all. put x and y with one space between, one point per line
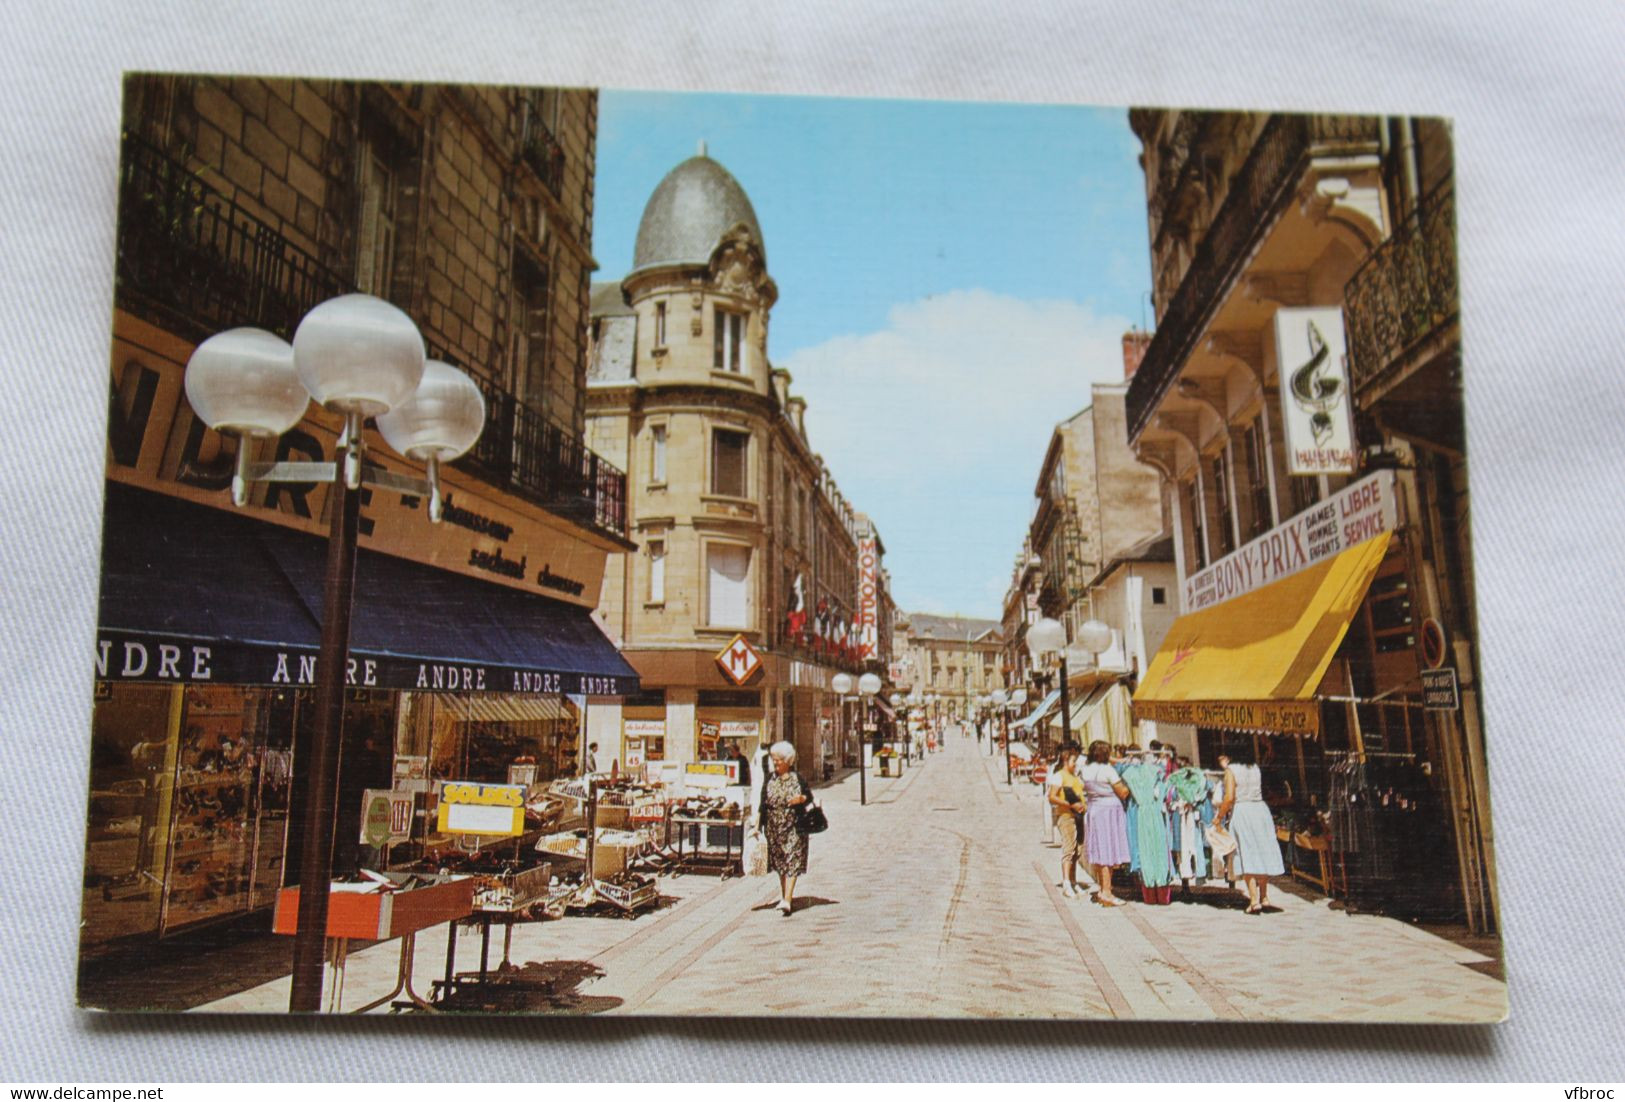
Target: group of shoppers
1088 803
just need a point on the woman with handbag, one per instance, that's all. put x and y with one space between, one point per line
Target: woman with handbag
787 815
1066 807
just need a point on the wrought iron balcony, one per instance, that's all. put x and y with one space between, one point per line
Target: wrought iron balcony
1404 292
523 452
196 262
1256 196
542 152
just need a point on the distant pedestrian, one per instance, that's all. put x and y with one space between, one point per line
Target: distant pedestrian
785 797
1105 823
1258 851
1066 800
592 757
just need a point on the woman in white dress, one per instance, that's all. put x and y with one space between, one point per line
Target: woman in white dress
1258 852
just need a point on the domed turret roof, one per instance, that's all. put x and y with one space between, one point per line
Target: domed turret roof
688 213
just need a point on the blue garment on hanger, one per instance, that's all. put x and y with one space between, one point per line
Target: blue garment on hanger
1148 831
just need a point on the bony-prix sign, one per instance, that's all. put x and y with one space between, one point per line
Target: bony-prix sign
386 816
468 807
1351 516
1315 401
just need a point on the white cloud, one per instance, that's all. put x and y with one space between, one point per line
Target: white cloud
936 426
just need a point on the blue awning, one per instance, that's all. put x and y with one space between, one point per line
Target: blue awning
194 593
1039 712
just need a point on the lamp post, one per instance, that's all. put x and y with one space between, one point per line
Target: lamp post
1045 637
842 684
868 686
1017 698
357 356
1093 637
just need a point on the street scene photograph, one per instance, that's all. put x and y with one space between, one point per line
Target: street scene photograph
725 555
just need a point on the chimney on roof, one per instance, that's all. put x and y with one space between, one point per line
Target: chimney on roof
1135 342
702 148
797 406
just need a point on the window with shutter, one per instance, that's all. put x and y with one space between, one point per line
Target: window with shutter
728 567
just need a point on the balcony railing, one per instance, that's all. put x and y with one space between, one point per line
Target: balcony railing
1405 290
522 451
195 262
1255 198
542 152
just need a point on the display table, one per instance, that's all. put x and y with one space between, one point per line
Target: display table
354 911
704 854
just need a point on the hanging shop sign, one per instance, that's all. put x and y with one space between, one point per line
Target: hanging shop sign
868 598
386 816
1440 690
739 729
1316 405
492 810
739 661
643 728
1351 516
140 656
1287 717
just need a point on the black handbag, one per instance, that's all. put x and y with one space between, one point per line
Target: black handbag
813 819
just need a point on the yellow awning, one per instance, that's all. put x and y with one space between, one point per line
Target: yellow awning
1254 662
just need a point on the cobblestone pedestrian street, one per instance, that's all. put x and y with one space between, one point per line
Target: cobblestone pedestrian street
939 899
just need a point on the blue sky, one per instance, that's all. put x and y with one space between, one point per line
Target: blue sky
952 277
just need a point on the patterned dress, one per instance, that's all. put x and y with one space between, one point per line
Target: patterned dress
786 845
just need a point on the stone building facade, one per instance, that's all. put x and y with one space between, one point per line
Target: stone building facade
952 658
742 528
1302 399
247 202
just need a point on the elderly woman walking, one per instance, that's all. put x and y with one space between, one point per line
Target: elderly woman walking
784 798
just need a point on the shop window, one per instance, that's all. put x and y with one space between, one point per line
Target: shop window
728 343
727 570
375 241
657 572
730 455
1258 486
1223 506
646 698
657 455
1305 492
532 312
1191 505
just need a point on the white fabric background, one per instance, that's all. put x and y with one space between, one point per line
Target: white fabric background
1537 93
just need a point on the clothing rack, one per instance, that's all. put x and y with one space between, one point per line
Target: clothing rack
1364 754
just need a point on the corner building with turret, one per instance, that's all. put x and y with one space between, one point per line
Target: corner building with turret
741 530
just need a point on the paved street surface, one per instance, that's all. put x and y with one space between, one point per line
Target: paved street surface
939 900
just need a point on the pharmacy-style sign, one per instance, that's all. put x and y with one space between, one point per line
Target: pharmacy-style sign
739 660
1315 403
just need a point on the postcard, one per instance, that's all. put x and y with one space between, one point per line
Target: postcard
690 554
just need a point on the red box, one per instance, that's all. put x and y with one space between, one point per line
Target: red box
377 916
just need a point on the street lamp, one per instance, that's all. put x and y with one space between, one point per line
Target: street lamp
1094 637
1048 636
868 686
360 357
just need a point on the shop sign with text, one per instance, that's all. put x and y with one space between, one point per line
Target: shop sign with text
1316 406
386 816
1287 717
868 598
137 656
469 807
1351 516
